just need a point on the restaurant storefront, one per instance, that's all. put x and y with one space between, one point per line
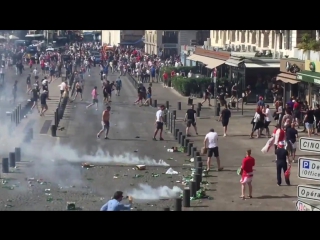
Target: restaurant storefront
311 77
289 68
253 71
209 60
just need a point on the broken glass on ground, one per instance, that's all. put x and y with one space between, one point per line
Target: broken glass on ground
87 165
155 175
137 176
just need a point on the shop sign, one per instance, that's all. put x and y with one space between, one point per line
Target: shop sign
291 66
313 66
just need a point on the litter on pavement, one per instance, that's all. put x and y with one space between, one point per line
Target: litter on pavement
171 171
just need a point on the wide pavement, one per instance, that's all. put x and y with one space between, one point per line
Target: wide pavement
56 162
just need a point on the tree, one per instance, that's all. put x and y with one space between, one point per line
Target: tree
308 43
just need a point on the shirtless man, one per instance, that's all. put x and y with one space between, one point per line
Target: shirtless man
105 122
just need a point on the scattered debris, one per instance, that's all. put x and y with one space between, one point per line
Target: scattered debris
155 175
135 150
171 171
47 190
137 137
87 165
8 206
141 167
71 206
137 176
191 160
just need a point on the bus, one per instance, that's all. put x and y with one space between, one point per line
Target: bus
37 37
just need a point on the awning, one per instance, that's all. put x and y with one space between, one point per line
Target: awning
233 62
193 57
262 65
308 76
287 78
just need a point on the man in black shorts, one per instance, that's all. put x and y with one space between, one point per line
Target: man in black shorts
35 97
224 118
190 119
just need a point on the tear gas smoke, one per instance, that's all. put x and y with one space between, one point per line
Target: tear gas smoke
146 192
66 153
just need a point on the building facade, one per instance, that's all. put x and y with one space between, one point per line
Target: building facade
166 43
125 37
278 43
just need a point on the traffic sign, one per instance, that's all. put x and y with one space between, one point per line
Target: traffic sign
308 192
309 144
309 168
303 206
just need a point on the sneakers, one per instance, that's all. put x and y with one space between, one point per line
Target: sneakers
224 135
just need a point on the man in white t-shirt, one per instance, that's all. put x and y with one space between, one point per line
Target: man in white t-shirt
211 144
190 74
62 87
159 123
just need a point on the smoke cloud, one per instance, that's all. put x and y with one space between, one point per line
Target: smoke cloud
66 153
146 192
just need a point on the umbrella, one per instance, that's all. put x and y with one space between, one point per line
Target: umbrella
13 37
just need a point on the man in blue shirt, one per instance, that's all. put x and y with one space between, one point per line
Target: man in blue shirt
118 85
115 205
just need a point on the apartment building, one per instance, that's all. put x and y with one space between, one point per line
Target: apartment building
168 43
125 37
278 43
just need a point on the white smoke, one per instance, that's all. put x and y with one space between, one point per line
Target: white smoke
66 153
146 192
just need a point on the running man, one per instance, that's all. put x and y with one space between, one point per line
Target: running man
105 122
94 95
35 97
159 123
43 99
78 90
29 89
118 86
190 119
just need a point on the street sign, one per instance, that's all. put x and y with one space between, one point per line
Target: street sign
309 144
303 206
309 168
308 192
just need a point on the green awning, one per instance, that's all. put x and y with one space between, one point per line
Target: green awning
308 76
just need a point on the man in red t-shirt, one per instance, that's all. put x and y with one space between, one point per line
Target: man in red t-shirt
247 174
165 79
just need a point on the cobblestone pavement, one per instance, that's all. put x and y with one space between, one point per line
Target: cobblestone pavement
57 162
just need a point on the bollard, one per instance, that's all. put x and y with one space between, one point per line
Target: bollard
197 178
56 118
197 154
53 130
199 171
176 132
5 165
178 204
186 197
167 105
193 189
20 111
12 160
182 138
168 120
171 122
179 137
174 112
199 106
190 101
179 105
155 103
198 112
186 142
193 152
190 147
17 153
166 209
199 164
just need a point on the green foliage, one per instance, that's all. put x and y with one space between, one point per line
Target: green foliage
308 44
187 86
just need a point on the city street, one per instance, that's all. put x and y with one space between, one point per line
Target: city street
51 175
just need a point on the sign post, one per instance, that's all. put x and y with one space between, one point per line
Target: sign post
308 168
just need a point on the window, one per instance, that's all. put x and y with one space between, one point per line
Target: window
170 37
